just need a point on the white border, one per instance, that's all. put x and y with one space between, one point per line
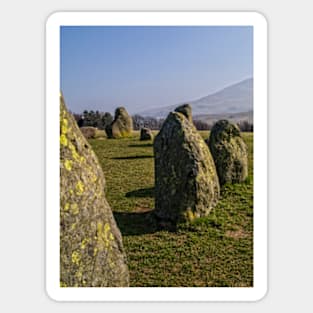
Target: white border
52 155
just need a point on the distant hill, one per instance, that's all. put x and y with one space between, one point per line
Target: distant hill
235 101
233 117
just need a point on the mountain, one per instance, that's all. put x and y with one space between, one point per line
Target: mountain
236 99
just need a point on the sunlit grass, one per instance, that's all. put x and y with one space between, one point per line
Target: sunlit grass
212 251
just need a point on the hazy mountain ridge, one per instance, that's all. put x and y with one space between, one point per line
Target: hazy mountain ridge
233 117
236 100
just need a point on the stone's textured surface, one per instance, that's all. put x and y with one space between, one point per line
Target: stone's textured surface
229 152
91 249
89 132
92 132
185 109
186 183
146 134
122 125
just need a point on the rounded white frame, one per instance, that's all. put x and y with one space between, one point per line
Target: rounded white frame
259 24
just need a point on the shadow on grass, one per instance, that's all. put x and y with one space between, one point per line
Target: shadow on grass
133 157
143 145
136 223
141 193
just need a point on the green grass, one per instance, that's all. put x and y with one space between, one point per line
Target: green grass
214 251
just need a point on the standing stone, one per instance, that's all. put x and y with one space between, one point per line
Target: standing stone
91 249
146 134
122 125
229 152
186 183
186 110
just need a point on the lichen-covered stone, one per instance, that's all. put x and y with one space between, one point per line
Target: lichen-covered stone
91 249
122 125
185 109
146 134
186 183
229 152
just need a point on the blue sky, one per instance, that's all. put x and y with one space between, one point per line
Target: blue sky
103 67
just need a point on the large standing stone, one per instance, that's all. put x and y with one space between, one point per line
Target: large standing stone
122 125
146 134
229 152
186 110
91 249
186 183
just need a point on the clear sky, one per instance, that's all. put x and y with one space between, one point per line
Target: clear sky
103 67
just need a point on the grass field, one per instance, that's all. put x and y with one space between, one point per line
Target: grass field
214 251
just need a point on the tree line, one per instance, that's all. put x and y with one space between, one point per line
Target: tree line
102 120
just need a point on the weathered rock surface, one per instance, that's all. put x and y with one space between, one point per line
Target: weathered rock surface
122 125
91 249
89 132
229 152
186 182
146 134
186 110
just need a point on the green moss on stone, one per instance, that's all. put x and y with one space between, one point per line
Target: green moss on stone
186 183
229 152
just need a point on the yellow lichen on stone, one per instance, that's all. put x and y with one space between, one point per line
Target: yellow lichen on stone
63 140
68 165
84 243
190 215
111 264
79 188
76 257
74 209
64 126
104 234
90 256
93 177
79 275
75 154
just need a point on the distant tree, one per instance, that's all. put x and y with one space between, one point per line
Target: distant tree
80 122
201 125
245 126
77 117
138 121
107 119
151 122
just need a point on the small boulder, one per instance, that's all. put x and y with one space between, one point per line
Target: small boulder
92 132
122 125
146 134
89 132
185 109
91 248
186 183
229 152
